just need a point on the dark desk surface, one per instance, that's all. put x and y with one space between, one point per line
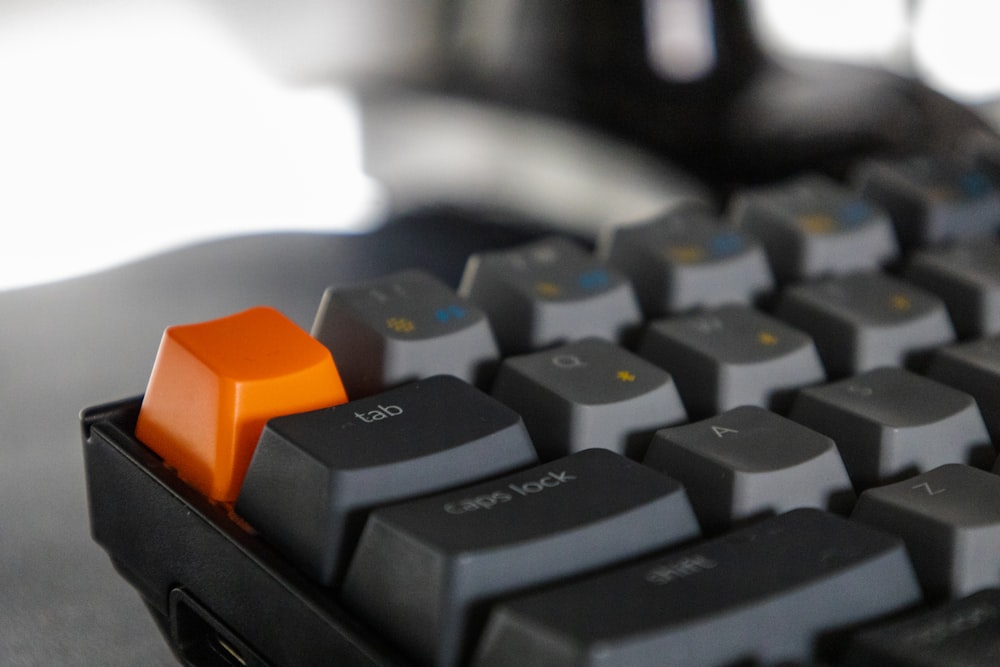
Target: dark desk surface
90 340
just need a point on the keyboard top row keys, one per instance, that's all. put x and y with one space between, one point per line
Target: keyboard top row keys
316 474
932 200
403 327
548 292
765 592
425 570
813 227
687 259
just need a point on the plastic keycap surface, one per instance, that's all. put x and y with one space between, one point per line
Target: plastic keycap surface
315 474
214 384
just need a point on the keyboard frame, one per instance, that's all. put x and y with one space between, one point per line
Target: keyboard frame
208 581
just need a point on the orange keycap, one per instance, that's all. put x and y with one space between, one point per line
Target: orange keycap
214 384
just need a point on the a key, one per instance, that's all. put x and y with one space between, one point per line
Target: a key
974 368
730 356
548 292
932 199
404 327
592 393
685 260
763 593
748 462
215 383
949 518
967 278
315 474
960 633
425 570
865 320
890 423
812 227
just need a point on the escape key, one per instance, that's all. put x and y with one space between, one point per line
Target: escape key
214 384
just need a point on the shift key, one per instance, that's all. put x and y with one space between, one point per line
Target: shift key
762 594
424 571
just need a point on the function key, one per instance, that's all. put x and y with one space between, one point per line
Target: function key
316 474
592 393
812 227
763 594
865 320
974 368
687 259
215 383
932 199
749 462
730 356
404 327
949 518
425 570
549 292
967 278
890 423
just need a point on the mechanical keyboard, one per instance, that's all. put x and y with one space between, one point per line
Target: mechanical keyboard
759 434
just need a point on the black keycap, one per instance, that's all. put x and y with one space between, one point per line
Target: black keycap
749 461
764 593
687 259
949 518
866 320
403 327
314 474
548 292
812 227
974 368
730 356
967 278
424 570
961 633
932 199
592 393
890 423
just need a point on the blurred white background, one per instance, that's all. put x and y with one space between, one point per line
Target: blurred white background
129 127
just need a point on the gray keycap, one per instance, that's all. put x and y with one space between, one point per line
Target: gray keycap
403 327
687 259
812 227
974 368
762 593
890 423
592 393
960 633
967 278
731 356
548 292
748 462
949 518
865 320
424 570
932 199
314 475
